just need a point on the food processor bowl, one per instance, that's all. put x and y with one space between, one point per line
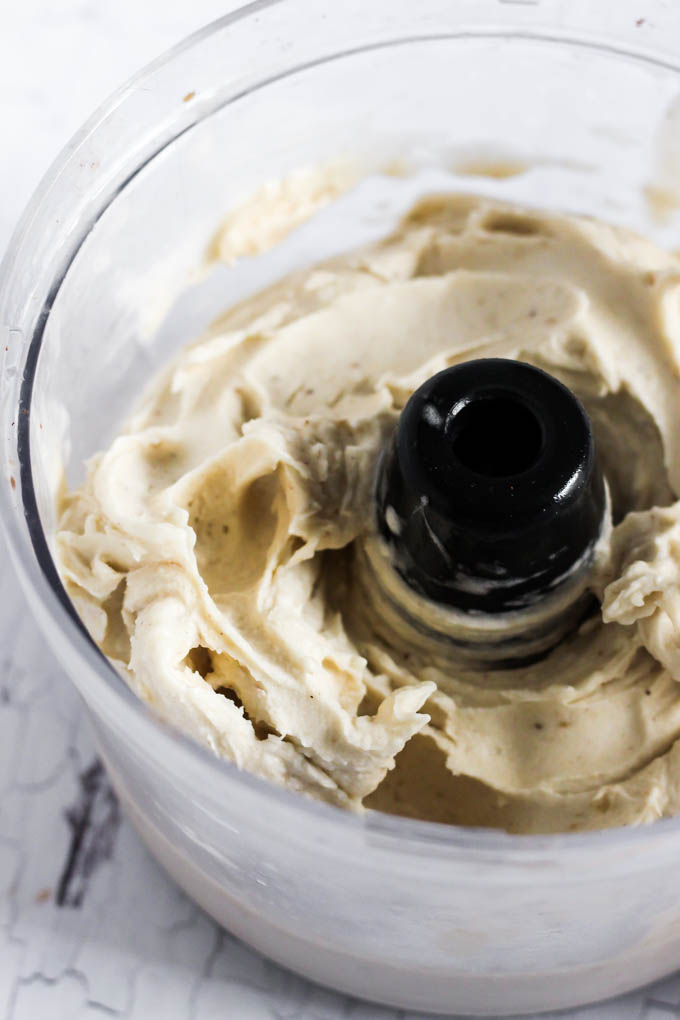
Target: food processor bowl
567 106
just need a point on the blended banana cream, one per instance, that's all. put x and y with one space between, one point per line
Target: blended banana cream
211 551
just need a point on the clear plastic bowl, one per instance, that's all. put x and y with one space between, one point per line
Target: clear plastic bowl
413 914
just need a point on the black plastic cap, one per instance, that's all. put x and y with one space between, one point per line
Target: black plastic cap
490 492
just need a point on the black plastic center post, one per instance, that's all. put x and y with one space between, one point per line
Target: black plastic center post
490 493
496 436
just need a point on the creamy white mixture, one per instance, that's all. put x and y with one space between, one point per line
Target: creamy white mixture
211 551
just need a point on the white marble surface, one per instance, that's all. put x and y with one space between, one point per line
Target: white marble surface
134 947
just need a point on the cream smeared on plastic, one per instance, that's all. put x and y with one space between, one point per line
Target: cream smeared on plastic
211 550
